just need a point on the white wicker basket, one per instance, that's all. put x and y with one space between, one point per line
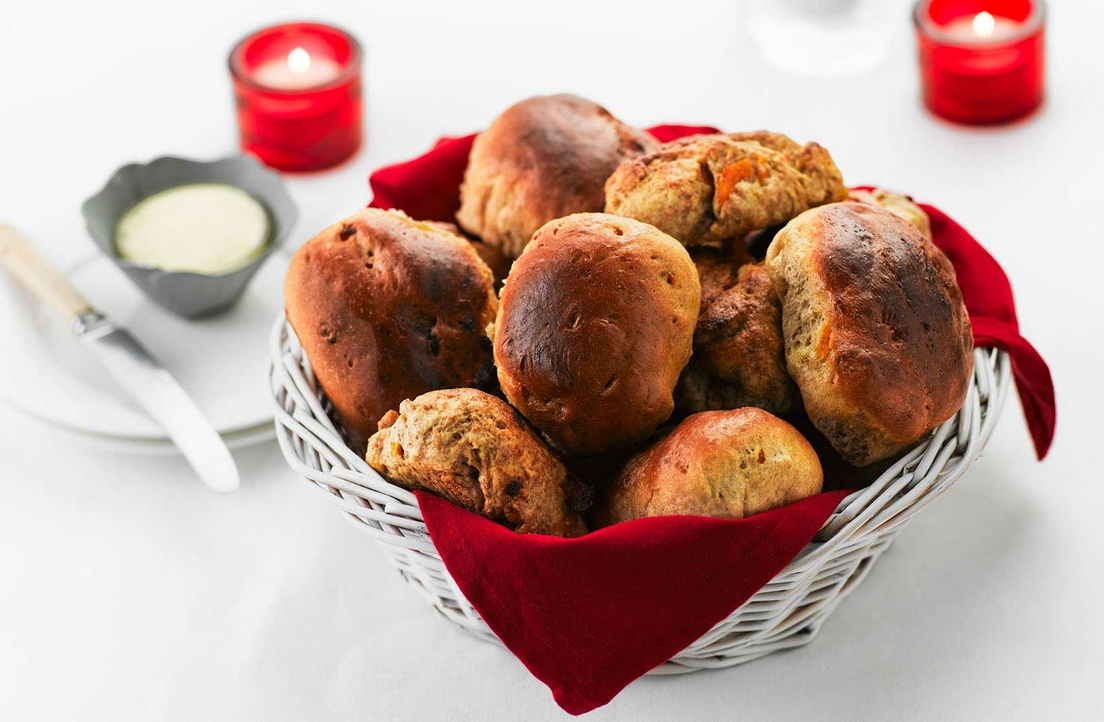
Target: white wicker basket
785 613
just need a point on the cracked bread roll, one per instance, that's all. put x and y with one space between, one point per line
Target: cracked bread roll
474 450
877 337
387 308
739 357
543 158
725 464
706 189
595 323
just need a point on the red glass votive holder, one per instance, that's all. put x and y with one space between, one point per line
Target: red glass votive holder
297 87
981 61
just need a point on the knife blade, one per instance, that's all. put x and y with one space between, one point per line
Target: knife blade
135 369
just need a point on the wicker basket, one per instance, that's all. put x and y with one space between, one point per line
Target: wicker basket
785 613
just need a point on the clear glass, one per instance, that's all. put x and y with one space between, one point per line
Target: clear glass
827 37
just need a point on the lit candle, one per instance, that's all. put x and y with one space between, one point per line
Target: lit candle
981 29
981 61
299 70
297 88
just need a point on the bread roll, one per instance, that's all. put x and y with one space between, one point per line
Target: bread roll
595 323
498 263
726 464
877 337
543 158
838 473
709 188
475 451
897 204
739 358
387 308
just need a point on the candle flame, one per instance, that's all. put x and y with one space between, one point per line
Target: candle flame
299 60
984 25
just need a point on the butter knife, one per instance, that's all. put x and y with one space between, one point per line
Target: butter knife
128 362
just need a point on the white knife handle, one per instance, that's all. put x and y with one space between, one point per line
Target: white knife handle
36 273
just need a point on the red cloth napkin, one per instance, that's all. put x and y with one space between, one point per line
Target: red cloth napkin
588 616
988 297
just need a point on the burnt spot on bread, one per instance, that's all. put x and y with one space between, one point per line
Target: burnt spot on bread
434 344
327 332
347 231
467 324
513 488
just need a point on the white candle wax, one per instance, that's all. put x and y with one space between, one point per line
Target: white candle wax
981 29
297 71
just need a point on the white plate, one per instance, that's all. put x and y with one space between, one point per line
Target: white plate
220 361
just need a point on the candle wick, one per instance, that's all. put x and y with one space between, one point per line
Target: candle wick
984 25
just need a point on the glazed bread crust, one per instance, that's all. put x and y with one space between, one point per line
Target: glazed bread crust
877 337
726 464
387 308
709 188
474 450
543 158
595 324
897 204
739 357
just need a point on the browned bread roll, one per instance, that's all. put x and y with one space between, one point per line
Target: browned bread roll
877 337
709 188
476 451
498 263
897 204
838 474
595 323
726 464
543 158
739 358
387 308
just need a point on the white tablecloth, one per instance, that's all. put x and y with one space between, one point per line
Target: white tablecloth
128 591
